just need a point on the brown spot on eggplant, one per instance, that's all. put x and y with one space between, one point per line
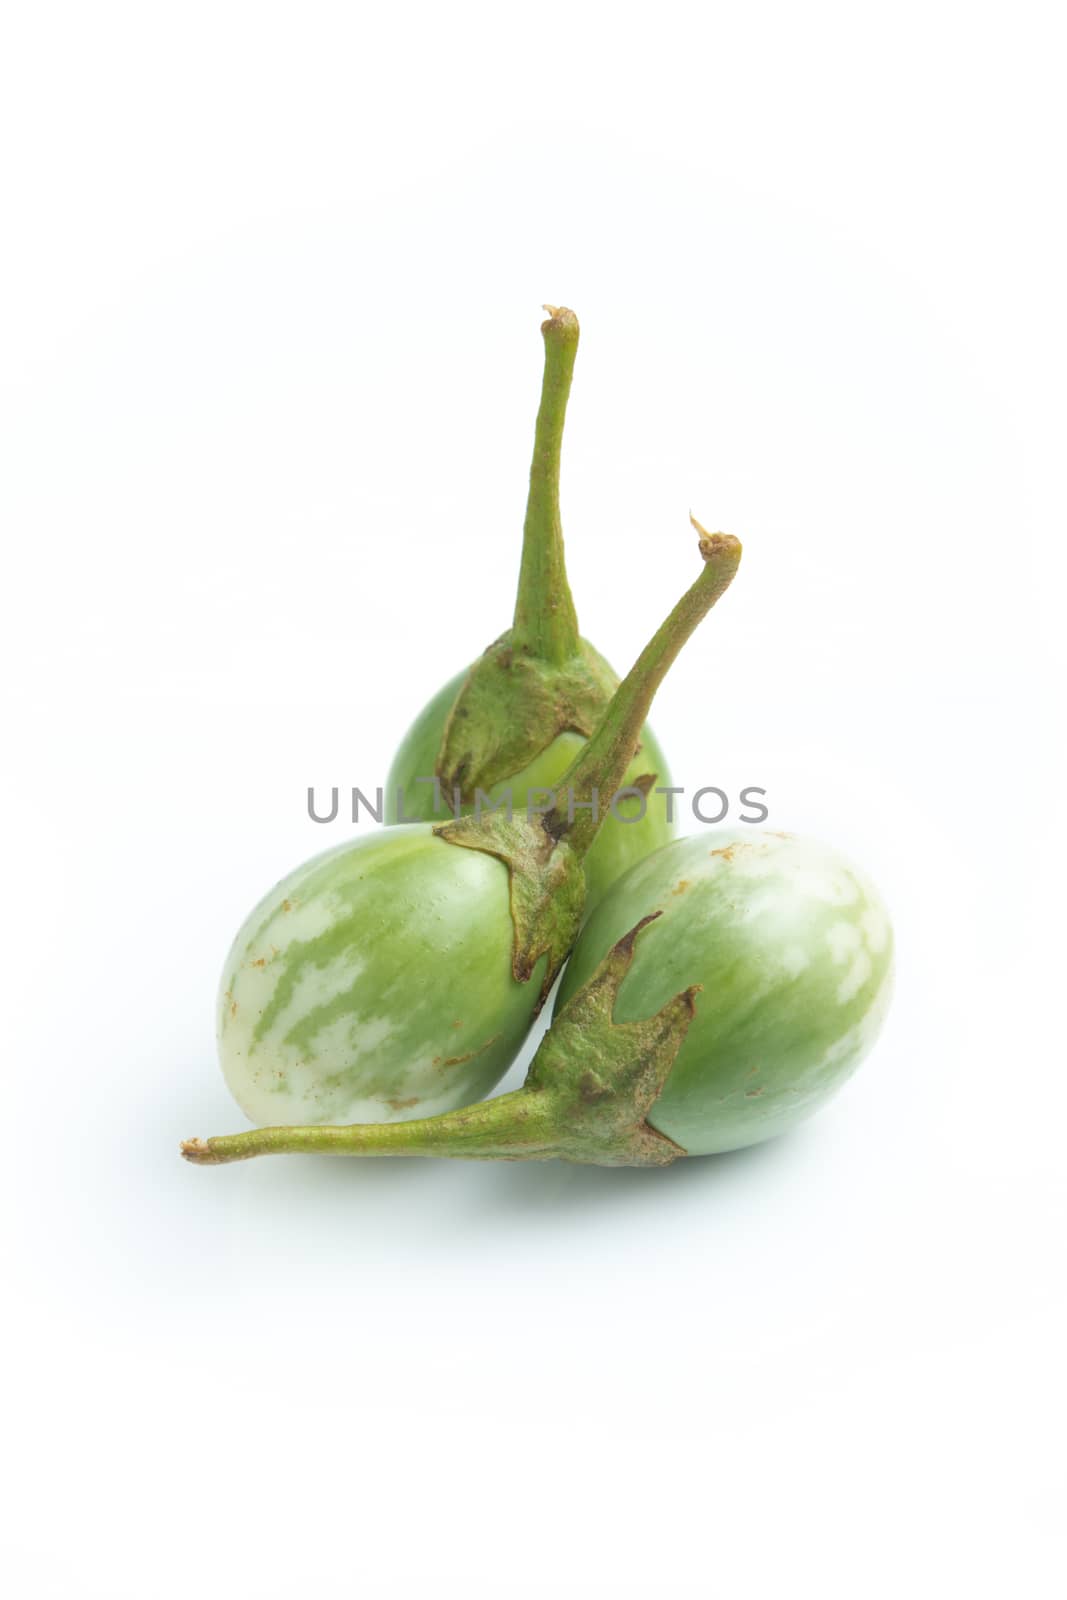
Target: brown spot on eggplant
458 1061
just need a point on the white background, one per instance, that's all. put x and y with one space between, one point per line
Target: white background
270 283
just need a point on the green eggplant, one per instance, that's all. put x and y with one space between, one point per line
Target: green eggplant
516 720
792 949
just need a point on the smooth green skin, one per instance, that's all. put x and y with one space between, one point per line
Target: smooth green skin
617 846
794 952
374 984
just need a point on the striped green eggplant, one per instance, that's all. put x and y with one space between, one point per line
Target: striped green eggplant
374 982
793 952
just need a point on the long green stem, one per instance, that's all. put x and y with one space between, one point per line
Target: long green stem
598 770
545 624
516 1126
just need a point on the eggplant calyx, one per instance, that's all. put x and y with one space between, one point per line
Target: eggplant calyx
602 1076
512 706
546 885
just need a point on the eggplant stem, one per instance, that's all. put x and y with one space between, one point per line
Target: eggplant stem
516 1126
600 766
545 623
